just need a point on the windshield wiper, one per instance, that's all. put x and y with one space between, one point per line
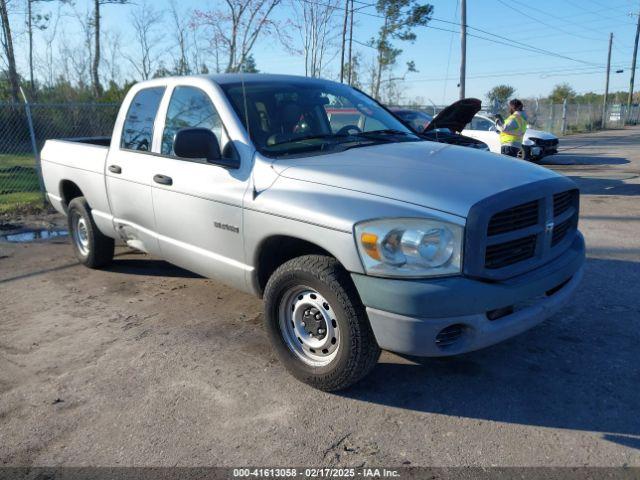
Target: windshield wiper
331 136
324 136
386 131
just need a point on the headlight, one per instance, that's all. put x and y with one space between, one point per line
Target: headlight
410 247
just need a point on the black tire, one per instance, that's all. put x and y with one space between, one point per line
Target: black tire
98 251
357 352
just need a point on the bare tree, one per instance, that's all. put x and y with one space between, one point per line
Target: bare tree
197 48
181 40
146 22
76 59
353 70
6 39
36 21
75 63
318 27
95 65
234 28
113 54
45 59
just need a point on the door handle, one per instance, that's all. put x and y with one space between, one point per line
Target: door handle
115 169
163 180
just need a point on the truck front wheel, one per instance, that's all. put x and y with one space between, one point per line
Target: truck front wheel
91 246
317 323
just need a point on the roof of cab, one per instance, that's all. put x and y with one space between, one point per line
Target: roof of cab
227 78
232 78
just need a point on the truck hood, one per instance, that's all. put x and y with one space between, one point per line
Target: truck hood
437 176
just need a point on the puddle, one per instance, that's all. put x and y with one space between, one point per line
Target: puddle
27 236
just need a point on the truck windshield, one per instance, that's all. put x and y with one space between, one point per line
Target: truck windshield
311 116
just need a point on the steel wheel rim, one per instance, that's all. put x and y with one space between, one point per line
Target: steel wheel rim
309 326
81 235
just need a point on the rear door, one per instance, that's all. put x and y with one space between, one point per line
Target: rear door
198 208
129 170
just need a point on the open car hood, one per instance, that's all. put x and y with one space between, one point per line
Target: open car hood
456 116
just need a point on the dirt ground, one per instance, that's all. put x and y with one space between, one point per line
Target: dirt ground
146 364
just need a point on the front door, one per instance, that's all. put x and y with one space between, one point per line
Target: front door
198 205
129 170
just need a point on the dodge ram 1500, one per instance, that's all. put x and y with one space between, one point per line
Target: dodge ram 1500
358 237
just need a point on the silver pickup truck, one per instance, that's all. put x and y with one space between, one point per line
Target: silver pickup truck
358 234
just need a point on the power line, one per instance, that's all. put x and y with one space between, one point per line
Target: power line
446 82
598 13
542 22
542 73
499 39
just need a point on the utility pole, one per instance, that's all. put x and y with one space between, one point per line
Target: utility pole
350 76
344 39
463 46
606 85
633 69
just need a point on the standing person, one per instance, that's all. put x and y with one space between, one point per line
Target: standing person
513 130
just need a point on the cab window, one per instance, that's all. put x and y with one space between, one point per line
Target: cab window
189 107
137 131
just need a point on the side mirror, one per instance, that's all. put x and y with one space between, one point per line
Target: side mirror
200 143
493 128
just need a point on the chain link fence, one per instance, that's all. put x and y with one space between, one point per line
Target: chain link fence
25 128
23 131
567 118
563 118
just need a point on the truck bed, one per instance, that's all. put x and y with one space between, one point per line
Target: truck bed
80 161
99 141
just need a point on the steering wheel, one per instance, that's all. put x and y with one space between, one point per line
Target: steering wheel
347 129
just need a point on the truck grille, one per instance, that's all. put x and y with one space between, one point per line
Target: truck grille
560 232
521 229
563 201
514 218
508 253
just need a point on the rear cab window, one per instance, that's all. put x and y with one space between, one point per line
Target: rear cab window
137 131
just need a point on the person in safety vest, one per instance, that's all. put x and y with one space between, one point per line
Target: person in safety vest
513 129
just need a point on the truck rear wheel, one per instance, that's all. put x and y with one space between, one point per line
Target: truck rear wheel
91 246
317 323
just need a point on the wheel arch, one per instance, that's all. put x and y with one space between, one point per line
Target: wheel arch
275 250
68 191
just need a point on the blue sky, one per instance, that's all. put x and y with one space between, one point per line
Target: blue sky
578 29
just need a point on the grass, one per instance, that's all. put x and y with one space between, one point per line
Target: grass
19 186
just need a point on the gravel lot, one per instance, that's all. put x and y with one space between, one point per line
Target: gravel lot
147 364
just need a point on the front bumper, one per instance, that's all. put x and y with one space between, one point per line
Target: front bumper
409 316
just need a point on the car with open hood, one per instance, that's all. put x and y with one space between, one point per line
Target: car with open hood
447 125
536 143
